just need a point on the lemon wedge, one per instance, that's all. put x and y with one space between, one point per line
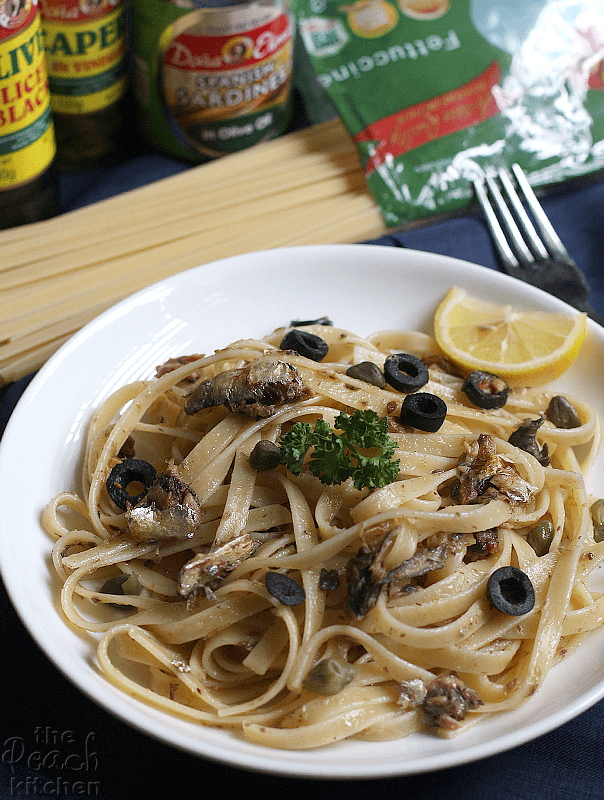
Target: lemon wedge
525 348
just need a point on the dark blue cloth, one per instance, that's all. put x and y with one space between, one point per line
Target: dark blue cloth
43 713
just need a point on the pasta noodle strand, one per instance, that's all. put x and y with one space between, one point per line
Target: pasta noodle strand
379 599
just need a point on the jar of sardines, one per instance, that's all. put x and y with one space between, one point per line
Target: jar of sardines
211 78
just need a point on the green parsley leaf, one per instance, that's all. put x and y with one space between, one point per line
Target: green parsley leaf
330 462
299 439
335 457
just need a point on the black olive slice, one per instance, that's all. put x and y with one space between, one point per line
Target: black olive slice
285 589
266 455
369 372
510 590
406 373
305 344
485 390
424 411
130 470
300 323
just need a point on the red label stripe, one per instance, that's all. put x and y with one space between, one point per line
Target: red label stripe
432 119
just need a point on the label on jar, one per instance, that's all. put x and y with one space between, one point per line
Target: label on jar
86 48
219 78
27 142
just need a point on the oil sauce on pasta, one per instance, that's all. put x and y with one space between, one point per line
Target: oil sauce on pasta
294 607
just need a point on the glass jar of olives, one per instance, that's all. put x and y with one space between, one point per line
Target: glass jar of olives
28 185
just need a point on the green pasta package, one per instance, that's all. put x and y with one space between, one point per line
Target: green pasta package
433 91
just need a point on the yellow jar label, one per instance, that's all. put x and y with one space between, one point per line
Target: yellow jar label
27 144
86 55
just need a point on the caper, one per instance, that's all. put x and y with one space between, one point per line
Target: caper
562 413
597 512
266 455
369 372
329 579
329 677
597 516
540 537
121 584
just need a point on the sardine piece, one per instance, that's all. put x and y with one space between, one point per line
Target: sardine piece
423 561
367 575
486 543
206 571
174 363
447 701
170 510
412 694
485 475
254 390
508 485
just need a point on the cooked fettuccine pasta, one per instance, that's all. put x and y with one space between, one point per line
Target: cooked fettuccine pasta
233 588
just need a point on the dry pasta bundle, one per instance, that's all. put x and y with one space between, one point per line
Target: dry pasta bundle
52 283
268 542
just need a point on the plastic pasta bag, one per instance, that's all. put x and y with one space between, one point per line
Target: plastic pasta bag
432 91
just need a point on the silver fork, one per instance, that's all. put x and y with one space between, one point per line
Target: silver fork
542 261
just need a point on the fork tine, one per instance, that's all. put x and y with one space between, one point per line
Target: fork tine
548 232
508 259
548 267
523 218
514 233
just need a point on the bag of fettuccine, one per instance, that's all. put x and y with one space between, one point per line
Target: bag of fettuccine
432 91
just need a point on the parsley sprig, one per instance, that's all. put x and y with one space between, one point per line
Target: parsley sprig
337 454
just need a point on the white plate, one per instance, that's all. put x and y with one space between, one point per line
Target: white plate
360 287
